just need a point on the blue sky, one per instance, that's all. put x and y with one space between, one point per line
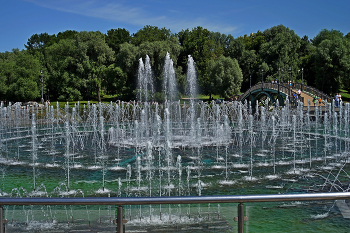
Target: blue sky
19 19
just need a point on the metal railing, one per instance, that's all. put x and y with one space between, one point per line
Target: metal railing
312 91
284 88
120 201
280 87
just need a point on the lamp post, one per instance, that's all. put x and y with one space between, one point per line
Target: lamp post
279 79
262 79
290 74
250 81
302 79
42 87
250 88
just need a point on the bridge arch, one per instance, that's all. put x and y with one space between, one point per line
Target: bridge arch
281 91
266 90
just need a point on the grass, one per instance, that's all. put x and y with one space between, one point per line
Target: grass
104 99
345 95
206 97
113 98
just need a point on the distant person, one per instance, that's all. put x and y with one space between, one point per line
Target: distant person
295 99
315 100
319 101
337 100
299 93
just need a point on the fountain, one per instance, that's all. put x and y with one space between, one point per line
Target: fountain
149 149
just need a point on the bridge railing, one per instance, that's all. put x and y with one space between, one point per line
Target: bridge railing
284 88
312 91
281 87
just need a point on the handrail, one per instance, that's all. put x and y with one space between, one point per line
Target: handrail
173 200
313 91
284 87
170 200
281 87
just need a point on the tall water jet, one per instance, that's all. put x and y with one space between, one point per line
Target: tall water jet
192 88
34 149
157 146
67 154
145 84
169 81
192 92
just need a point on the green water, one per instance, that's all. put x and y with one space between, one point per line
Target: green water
251 163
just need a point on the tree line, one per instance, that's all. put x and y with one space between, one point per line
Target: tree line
87 65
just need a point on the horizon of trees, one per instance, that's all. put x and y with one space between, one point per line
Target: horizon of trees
87 65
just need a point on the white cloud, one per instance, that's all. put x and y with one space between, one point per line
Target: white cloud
125 12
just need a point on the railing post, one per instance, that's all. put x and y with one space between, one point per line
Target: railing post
2 220
120 219
240 218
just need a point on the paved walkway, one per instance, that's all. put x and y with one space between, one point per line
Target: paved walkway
308 97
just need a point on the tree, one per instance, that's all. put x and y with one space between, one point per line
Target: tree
254 41
65 80
114 79
38 41
225 77
326 34
94 56
306 56
19 76
129 55
116 37
247 59
280 51
151 34
6 74
200 44
127 60
68 34
331 61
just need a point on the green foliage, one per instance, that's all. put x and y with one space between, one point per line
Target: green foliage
254 41
19 77
86 65
280 51
332 63
225 76
116 37
114 79
247 59
129 55
200 44
38 41
93 56
65 82
151 34
326 34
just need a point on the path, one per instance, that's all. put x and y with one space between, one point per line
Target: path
307 97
